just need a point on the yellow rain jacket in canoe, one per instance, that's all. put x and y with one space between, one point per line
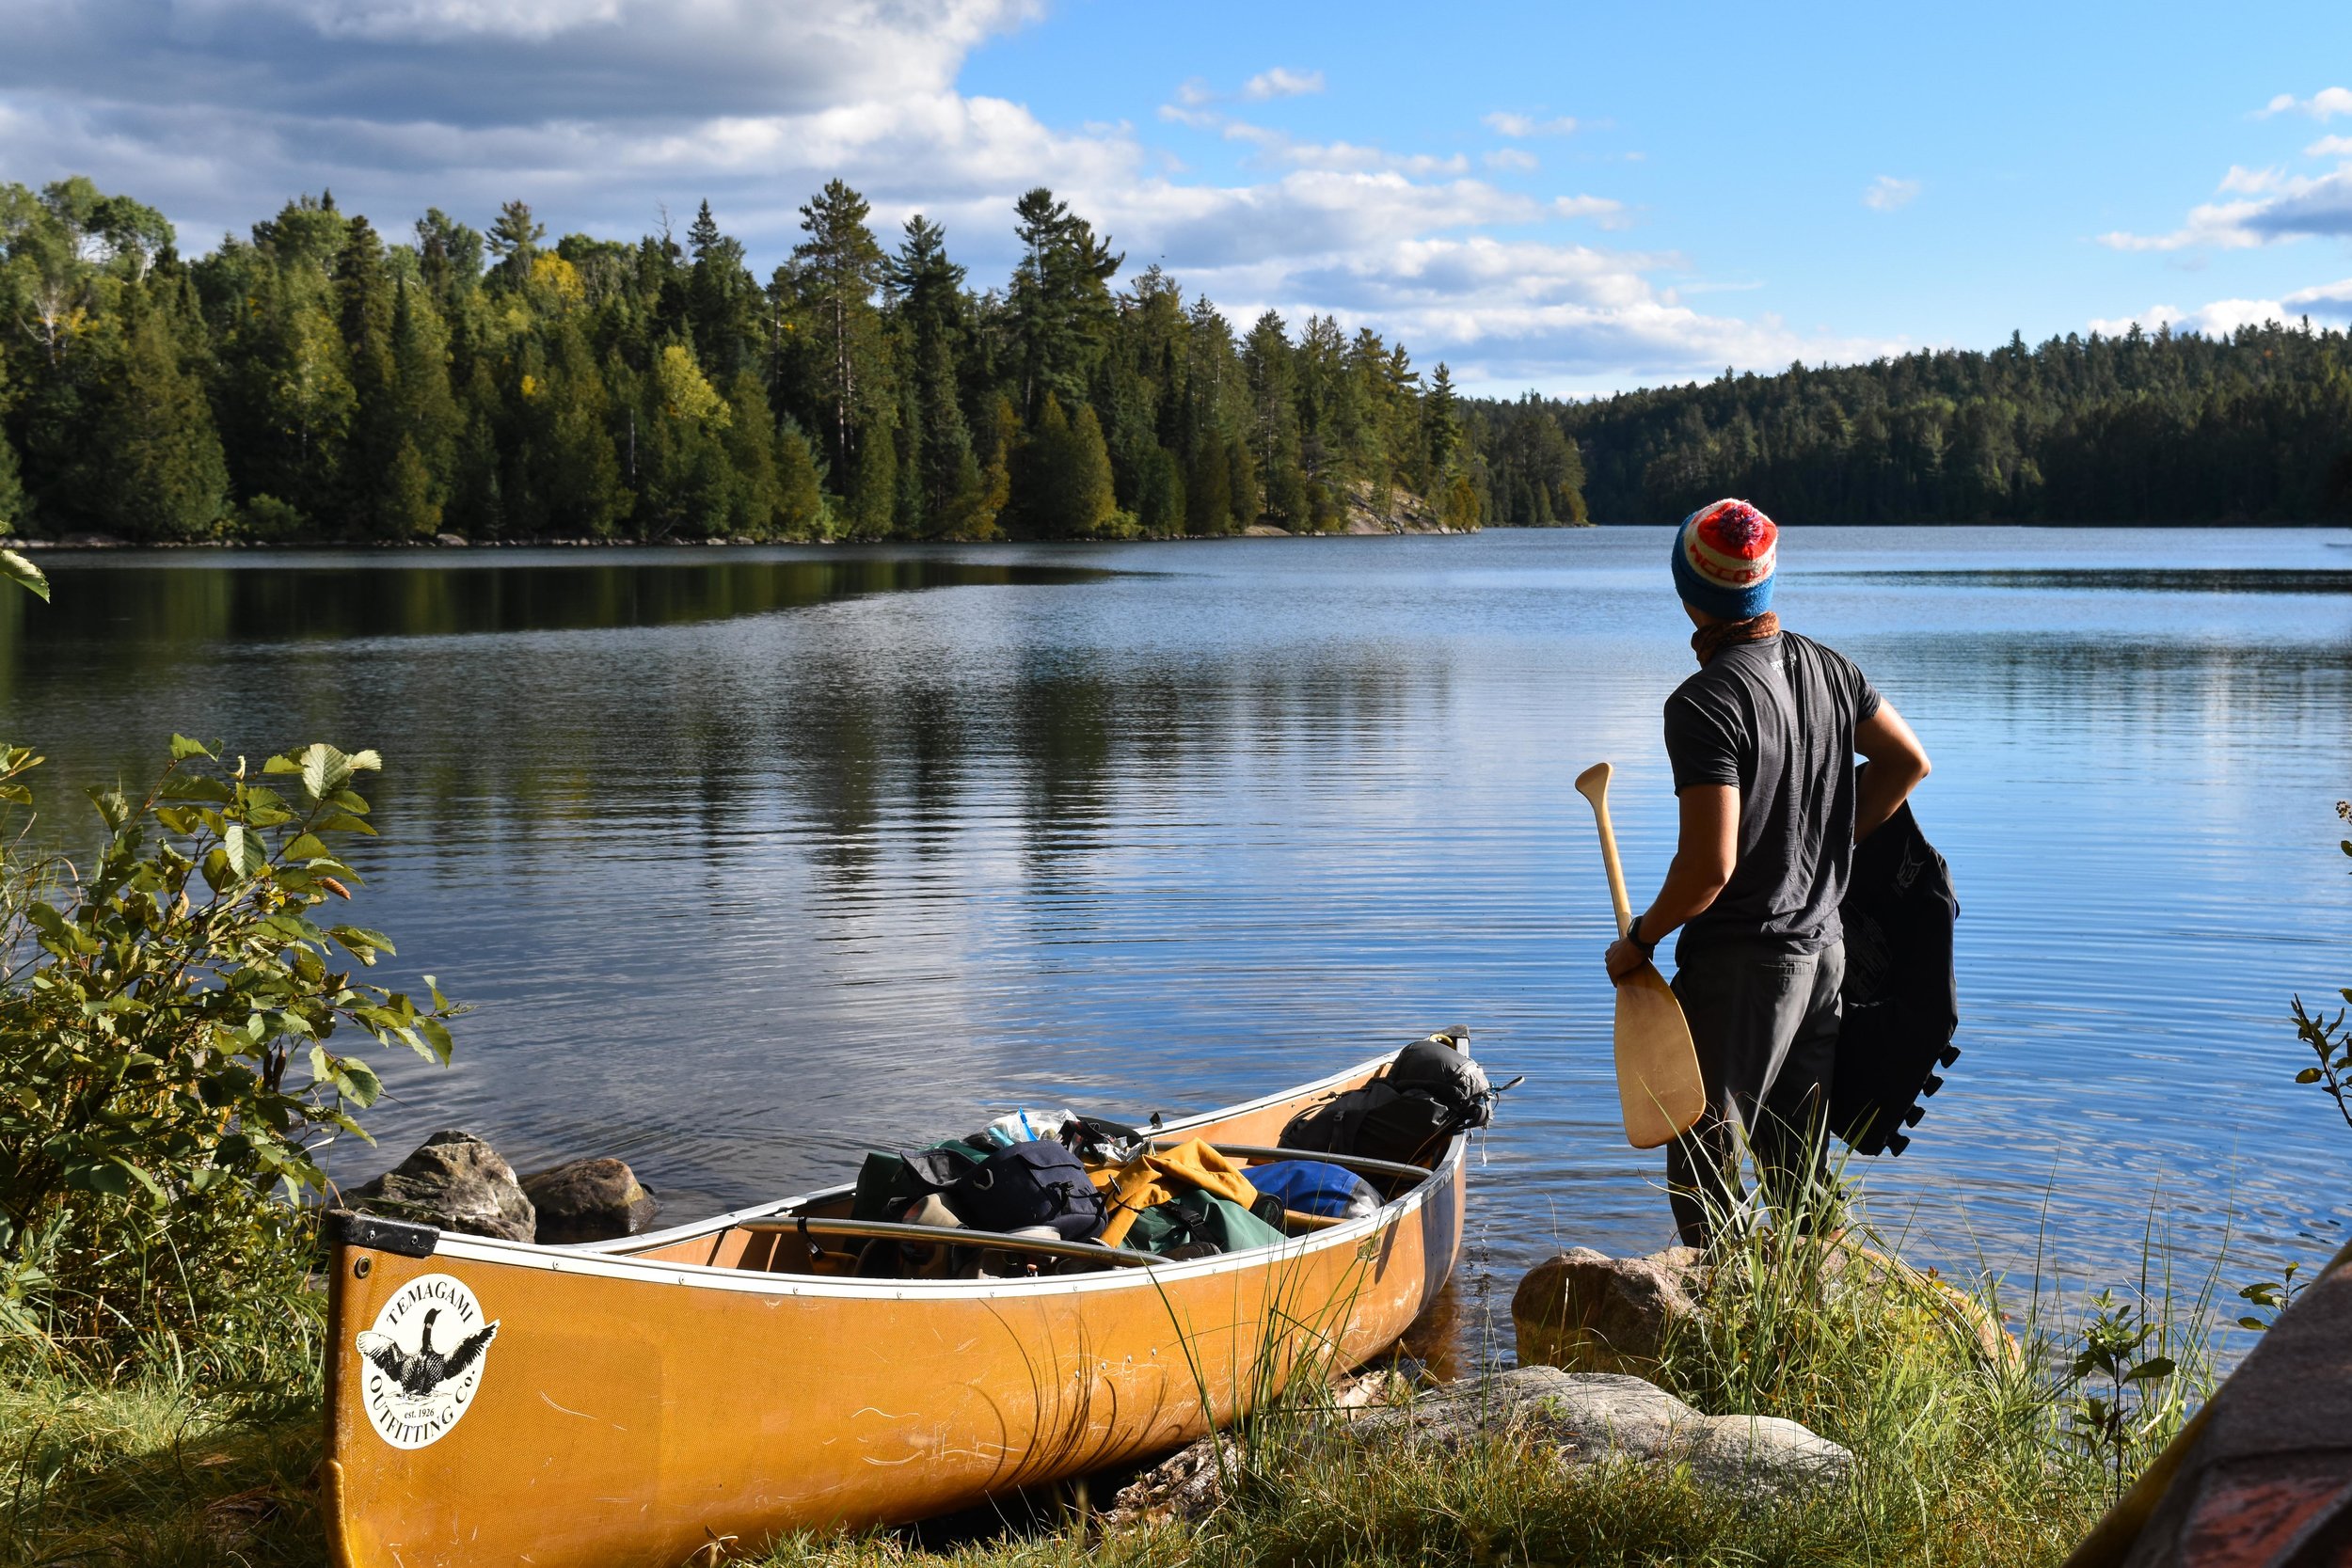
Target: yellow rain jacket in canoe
1162 1174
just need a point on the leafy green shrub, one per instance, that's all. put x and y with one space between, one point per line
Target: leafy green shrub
165 1076
267 517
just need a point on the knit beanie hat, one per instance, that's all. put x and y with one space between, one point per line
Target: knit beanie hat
1723 555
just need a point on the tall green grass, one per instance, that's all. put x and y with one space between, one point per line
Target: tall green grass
1962 1457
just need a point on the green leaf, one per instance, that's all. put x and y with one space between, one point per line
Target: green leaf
360 941
24 574
244 850
107 1178
2309 1075
359 1083
2255 1323
309 847
437 1034
112 808
323 770
182 748
2155 1367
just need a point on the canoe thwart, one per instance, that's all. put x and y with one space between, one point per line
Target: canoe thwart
895 1230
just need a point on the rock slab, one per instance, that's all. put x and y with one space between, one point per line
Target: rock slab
1581 1417
589 1200
456 1181
1588 1312
1589 1417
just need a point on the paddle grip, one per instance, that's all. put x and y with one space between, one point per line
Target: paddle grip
1598 794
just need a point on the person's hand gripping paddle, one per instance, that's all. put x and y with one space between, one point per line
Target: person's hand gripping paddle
1657 1071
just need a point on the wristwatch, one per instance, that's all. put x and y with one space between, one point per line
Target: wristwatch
1633 935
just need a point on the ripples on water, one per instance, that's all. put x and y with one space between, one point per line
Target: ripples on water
750 860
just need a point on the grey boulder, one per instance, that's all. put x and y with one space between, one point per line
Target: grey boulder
589 1200
455 1181
1590 1416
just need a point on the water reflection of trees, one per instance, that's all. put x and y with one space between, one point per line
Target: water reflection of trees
128 610
580 717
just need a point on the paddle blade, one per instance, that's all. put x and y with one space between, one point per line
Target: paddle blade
1658 1070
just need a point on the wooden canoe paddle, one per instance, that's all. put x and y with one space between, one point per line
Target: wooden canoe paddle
1658 1072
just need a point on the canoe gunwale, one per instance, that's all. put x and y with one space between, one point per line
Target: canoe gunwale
606 1260
526 1255
716 1224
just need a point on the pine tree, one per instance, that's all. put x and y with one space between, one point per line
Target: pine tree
1060 304
1087 504
839 266
1208 487
1273 444
1160 493
1241 484
998 437
365 308
477 505
407 508
514 240
576 474
800 489
154 469
874 483
756 507
429 416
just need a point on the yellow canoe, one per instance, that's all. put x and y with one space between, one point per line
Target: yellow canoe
631 1401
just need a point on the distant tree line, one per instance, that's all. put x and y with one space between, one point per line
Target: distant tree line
318 380
2163 427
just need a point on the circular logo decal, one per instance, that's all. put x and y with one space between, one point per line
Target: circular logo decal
421 1362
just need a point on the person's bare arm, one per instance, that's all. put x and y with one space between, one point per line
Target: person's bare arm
1897 763
1704 856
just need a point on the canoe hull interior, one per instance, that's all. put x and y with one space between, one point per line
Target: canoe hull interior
634 1406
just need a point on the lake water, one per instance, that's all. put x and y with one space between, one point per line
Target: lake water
748 860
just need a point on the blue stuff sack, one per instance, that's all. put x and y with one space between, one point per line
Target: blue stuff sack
1313 1187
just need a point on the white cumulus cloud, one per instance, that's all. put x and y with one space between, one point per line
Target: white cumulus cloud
1887 193
2218 319
2323 299
1281 83
1608 214
2326 103
1505 123
600 112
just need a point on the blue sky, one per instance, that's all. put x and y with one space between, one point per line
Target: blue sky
1570 197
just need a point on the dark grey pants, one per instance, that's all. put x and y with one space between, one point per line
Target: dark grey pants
1765 1022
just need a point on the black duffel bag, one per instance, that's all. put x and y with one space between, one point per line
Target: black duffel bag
1430 1092
1901 999
1023 1184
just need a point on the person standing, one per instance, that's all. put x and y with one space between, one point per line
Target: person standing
1763 742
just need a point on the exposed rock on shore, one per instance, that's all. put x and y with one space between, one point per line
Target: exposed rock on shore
1578 1417
1589 1312
589 1200
456 1181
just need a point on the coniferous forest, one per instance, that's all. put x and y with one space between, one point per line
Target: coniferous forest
2163 428
319 380
324 380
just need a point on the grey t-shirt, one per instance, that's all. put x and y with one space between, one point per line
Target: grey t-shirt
1776 718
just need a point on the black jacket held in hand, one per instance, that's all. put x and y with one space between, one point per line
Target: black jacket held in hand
1901 1000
